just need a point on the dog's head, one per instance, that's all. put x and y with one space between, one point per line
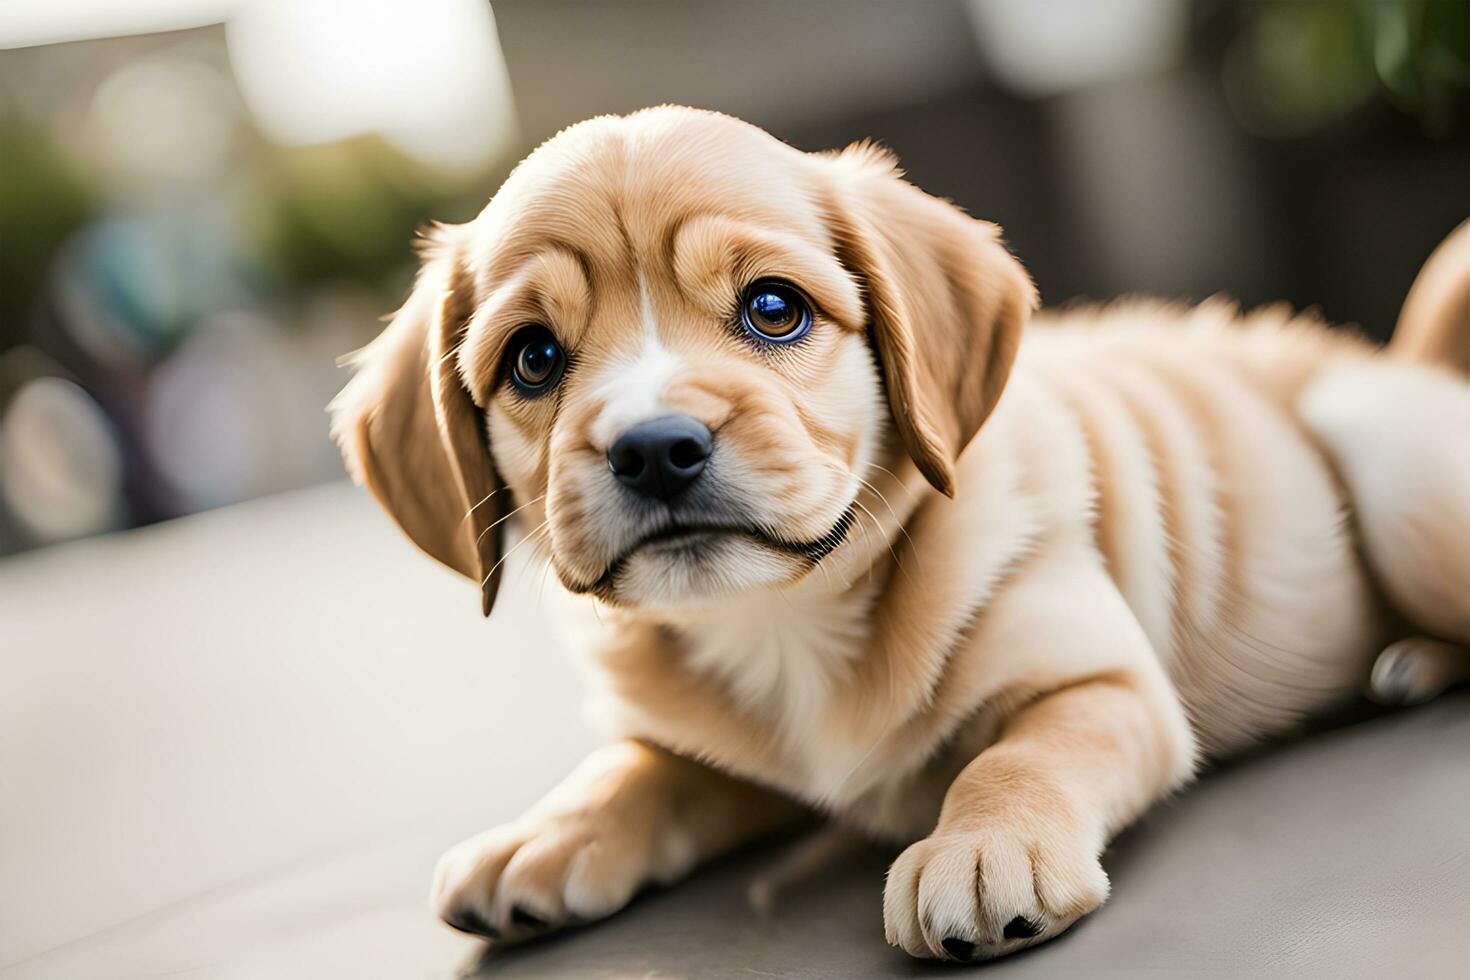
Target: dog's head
676 344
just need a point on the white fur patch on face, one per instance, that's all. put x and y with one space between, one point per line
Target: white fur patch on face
702 571
631 389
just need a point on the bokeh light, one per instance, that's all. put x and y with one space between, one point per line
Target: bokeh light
165 118
60 468
429 75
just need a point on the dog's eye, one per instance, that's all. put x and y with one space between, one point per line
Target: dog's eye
775 311
536 360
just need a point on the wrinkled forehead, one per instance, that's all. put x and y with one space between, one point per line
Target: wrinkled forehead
614 193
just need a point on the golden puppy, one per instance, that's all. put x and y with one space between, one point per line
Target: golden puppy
748 399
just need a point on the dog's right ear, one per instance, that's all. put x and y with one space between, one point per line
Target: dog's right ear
946 303
410 432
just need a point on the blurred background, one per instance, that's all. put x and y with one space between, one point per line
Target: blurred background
235 745
204 203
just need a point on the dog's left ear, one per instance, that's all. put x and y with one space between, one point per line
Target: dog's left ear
946 304
411 433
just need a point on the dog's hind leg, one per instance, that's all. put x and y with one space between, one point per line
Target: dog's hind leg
1400 436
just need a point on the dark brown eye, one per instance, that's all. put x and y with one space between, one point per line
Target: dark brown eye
775 311
536 360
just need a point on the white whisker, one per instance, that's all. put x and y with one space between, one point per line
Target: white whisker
481 503
879 494
896 479
867 540
898 525
507 517
451 351
519 544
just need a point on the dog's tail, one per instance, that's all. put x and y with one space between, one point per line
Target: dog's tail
1434 326
1398 428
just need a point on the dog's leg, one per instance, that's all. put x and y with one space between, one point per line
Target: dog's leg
1400 435
1013 860
630 815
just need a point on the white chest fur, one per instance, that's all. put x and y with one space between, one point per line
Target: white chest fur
781 657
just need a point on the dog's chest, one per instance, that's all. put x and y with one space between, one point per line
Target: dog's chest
782 660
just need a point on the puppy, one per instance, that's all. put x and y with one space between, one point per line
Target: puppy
749 401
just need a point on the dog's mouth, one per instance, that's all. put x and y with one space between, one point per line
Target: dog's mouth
685 539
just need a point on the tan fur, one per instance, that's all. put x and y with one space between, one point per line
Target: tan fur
1038 611
631 815
944 299
1434 327
410 433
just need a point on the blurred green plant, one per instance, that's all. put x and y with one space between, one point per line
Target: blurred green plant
349 211
1298 67
44 198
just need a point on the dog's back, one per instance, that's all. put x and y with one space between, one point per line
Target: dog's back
1242 469
1215 511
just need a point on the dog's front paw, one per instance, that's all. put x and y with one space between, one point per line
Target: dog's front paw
987 891
540 874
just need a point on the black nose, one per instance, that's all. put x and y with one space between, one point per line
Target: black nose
661 457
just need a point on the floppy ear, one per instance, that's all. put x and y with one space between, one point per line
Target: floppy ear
946 304
411 434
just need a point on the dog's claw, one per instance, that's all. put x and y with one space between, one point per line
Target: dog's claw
521 917
468 920
960 949
1020 928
